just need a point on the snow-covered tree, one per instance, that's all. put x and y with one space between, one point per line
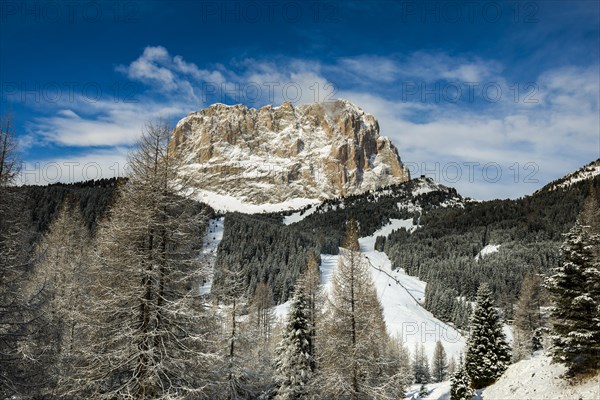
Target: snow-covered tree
353 348
294 358
310 284
575 291
22 366
460 384
451 366
488 354
421 371
423 391
439 363
147 330
61 272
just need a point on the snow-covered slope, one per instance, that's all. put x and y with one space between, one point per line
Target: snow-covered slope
227 203
214 235
586 172
540 379
400 295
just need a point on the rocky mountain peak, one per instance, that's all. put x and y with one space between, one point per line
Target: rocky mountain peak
274 154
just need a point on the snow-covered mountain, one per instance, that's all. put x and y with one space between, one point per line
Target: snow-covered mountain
276 154
586 172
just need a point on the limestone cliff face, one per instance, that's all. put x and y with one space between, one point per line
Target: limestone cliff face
275 154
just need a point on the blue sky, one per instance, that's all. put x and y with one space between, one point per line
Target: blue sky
495 98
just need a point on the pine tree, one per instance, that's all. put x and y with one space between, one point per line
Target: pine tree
488 354
460 384
423 391
528 317
310 284
421 370
575 290
439 363
294 358
147 330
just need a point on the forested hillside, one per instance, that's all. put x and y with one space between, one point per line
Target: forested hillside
41 203
443 251
265 250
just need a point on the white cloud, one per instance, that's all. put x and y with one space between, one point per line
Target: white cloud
109 123
547 140
94 165
156 67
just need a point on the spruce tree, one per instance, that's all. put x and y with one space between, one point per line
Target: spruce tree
294 357
421 365
488 354
460 384
575 291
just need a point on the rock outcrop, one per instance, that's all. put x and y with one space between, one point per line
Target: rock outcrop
274 154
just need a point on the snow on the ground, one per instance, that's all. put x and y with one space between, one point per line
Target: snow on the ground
298 216
424 186
400 295
435 391
540 379
227 203
508 332
489 249
214 235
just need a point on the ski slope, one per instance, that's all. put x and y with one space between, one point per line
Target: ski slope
400 295
212 238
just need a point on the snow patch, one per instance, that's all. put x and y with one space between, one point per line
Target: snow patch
538 378
435 391
487 250
227 203
401 297
298 216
